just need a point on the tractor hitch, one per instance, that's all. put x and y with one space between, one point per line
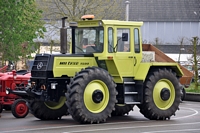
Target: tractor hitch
26 93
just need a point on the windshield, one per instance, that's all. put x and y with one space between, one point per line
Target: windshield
89 40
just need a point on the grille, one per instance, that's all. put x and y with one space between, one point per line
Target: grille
40 65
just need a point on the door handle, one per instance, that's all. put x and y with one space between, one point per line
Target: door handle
130 57
135 61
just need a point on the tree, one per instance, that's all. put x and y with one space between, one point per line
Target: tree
74 9
195 60
54 10
181 48
20 23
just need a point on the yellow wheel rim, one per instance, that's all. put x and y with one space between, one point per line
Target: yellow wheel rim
88 100
56 105
121 105
160 103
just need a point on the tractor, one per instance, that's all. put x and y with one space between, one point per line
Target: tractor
107 72
15 80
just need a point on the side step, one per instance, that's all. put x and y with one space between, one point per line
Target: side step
132 92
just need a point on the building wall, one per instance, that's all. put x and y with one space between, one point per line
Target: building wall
169 32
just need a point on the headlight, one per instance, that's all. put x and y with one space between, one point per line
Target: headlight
7 91
53 86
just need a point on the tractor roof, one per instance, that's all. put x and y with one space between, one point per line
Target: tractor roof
96 23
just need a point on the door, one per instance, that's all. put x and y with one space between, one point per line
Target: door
123 54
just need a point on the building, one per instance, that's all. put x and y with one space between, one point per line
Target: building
166 21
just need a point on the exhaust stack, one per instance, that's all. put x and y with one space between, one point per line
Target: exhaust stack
63 37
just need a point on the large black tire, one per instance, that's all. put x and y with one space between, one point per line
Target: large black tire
122 109
91 95
48 110
19 108
162 95
1 108
7 107
183 94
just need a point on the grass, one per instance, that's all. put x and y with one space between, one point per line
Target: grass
191 88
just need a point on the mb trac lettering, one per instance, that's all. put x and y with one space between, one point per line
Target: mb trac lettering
68 63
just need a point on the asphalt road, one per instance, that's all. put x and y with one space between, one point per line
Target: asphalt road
186 120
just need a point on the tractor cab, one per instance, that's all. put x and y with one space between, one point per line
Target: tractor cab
116 43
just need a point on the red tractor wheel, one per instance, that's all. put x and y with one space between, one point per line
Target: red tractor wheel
19 108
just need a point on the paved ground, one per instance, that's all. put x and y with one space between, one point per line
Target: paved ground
187 120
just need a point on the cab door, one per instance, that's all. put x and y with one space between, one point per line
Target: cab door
136 48
124 57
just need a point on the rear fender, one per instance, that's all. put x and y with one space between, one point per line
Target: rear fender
144 68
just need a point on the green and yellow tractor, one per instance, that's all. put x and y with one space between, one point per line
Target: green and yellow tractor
105 74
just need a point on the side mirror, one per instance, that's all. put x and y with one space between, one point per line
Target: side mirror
124 36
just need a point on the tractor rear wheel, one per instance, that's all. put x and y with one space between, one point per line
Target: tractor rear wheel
19 108
48 110
1 108
91 95
162 95
122 109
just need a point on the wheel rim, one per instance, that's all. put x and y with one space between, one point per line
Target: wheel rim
21 109
121 105
93 86
161 103
56 105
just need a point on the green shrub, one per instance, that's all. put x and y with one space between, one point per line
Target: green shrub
191 88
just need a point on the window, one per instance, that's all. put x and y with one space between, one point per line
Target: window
122 46
136 41
89 40
110 40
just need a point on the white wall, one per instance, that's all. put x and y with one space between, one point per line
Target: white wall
169 32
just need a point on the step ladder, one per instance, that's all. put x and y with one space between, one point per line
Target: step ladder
131 95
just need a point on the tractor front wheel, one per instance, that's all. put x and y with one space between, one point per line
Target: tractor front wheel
162 95
48 110
91 95
19 108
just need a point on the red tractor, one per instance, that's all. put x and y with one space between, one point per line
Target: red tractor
15 80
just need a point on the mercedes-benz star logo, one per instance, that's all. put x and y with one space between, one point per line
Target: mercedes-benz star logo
39 65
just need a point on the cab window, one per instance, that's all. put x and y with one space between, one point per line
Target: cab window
136 40
110 40
89 40
123 46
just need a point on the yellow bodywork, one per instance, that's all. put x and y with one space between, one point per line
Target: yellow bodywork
70 65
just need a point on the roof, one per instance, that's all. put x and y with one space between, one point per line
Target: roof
117 22
164 10
176 49
83 23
